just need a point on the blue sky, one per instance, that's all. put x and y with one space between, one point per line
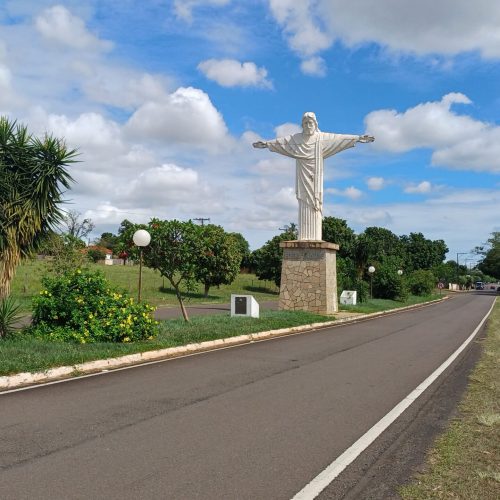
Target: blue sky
164 99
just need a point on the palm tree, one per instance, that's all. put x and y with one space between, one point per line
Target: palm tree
32 181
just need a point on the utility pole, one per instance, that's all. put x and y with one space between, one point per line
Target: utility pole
202 220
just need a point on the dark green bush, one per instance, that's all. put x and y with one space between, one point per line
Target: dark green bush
347 279
388 284
95 255
81 306
421 282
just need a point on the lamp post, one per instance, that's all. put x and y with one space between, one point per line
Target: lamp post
141 239
371 270
400 272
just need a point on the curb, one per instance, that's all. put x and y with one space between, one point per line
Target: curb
65 372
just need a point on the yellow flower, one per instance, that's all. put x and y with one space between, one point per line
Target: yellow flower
126 339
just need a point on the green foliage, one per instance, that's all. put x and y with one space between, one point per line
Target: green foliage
421 253
243 249
387 283
33 177
374 245
81 306
96 254
268 258
219 260
174 251
491 262
8 316
337 231
108 240
347 279
421 282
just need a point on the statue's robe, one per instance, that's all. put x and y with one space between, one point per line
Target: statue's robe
309 153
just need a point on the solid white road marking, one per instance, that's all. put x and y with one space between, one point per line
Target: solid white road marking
323 479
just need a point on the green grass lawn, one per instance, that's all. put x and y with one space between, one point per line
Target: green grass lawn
465 461
155 289
21 353
378 305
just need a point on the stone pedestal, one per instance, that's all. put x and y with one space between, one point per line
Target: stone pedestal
309 276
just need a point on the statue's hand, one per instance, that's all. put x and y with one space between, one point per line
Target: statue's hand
260 144
366 138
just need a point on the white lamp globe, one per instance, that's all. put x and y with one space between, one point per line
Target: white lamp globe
400 272
371 269
141 238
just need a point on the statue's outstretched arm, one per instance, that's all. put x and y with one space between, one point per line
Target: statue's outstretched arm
260 144
366 138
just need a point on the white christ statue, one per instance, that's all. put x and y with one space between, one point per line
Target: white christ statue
309 148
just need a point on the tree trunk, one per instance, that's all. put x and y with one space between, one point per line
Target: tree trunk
8 263
179 298
207 288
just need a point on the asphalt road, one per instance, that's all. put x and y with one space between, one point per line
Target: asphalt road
254 422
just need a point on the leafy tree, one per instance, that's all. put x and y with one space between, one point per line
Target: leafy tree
174 251
374 245
243 249
220 258
347 279
73 225
269 257
124 244
421 253
337 231
387 283
491 262
33 177
96 254
421 282
107 240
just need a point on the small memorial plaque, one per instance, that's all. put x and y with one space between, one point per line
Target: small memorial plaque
244 305
348 297
240 305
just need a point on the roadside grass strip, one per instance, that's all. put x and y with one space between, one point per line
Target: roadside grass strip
464 462
22 353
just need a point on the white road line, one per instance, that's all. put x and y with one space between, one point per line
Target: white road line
323 479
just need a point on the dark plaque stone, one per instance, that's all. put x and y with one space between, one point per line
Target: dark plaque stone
240 305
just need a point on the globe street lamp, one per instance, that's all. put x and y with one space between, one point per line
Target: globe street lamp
400 272
141 239
371 270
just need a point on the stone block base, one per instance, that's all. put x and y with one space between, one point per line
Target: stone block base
309 277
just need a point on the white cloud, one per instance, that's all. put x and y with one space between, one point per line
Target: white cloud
58 24
232 73
457 141
162 185
184 8
301 26
119 86
186 116
286 129
446 27
350 192
89 132
303 31
424 28
314 66
423 187
375 183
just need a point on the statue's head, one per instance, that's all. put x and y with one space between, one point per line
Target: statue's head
309 123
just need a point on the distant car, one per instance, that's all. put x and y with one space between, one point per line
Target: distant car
479 285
